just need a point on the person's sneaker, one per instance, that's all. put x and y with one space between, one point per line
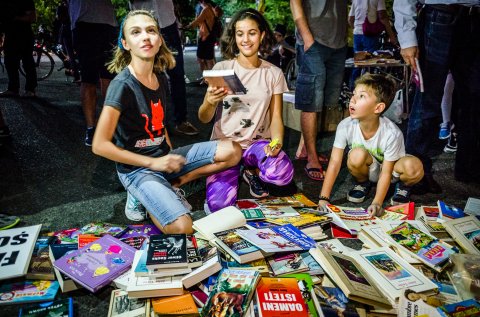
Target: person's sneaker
9 93
401 194
134 210
181 194
257 187
89 136
359 191
186 128
445 130
4 132
451 146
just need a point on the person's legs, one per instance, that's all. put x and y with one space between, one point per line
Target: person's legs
447 107
12 63
29 66
88 97
222 188
361 165
409 170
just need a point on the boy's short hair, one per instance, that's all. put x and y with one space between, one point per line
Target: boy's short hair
383 86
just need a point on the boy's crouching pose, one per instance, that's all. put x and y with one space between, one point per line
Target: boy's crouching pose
377 150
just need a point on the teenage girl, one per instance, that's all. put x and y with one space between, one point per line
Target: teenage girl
134 113
253 120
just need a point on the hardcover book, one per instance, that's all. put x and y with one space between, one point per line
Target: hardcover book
224 219
175 305
277 297
58 308
98 263
466 232
16 250
41 267
122 306
145 287
268 240
350 277
167 251
234 288
238 248
56 251
449 211
421 245
225 78
28 291
287 263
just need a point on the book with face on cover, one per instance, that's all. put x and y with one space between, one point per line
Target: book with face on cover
466 232
98 263
223 219
225 78
122 306
16 248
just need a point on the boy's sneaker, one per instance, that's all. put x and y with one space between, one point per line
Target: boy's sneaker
401 194
89 136
134 210
359 191
257 187
181 194
186 128
451 146
445 130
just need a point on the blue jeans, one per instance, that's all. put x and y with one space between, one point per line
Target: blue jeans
153 188
363 43
177 74
320 77
448 41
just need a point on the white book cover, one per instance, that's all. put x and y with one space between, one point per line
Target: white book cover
207 269
144 287
16 248
224 219
225 78
391 273
268 240
466 232
472 207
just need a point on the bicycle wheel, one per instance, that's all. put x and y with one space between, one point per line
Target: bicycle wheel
44 64
291 73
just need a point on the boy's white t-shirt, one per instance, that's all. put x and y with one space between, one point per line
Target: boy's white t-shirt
386 144
246 118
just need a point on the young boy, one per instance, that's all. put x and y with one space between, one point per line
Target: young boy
377 149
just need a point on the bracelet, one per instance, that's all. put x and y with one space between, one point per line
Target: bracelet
324 198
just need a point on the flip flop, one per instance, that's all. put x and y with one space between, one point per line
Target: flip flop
322 159
312 170
7 221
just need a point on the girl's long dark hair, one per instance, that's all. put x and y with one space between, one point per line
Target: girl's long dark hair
121 58
228 44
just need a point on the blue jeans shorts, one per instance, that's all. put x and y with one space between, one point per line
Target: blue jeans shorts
153 188
320 77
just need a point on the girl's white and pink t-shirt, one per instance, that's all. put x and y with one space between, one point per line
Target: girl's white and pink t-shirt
246 118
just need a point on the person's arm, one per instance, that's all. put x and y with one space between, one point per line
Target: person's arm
351 15
383 17
383 184
301 23
405 24
334 166
210 102
202 17
277 128
102 145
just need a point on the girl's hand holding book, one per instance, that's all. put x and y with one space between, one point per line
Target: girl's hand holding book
170 163
216 94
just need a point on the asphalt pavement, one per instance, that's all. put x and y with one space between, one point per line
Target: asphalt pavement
48 175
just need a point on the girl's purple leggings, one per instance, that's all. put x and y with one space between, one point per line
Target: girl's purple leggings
222 187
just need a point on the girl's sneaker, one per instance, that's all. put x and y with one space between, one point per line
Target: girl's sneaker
451 146
445 130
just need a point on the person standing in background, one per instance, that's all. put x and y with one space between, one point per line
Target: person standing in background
16 18
94 30
164 11
321 33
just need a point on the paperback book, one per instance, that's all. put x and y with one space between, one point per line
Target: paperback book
180 305
234 288
135 242
429 215
66 235
466 232
98 263
472 207
238 248
211 264
305 284
141 268
296 201
225 78
253 214
287 263
224 219
58 308
268 240
400 212
28 291
41 267
469 307
144 230
448 211
293 234
16 250
193 254
167 251
122 306
56 251
272 212
84 239
103 228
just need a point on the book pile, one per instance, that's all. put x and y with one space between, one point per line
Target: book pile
264 257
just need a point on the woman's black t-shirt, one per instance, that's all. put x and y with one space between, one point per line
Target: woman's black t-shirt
141 127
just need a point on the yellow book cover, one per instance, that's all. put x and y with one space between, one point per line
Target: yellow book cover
175 305
302 220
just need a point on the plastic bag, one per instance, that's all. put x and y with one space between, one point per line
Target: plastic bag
395 111
466 275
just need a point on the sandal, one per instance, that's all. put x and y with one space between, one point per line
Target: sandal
322 159
311 171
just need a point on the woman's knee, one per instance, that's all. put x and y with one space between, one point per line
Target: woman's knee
228 151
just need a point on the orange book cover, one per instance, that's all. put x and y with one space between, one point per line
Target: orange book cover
84 239
278 297
175 305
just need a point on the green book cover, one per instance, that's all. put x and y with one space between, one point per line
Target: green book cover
253 214
305 284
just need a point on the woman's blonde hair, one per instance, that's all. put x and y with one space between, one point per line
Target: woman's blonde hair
164 59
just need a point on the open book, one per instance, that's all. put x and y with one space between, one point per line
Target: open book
225 78
224 219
